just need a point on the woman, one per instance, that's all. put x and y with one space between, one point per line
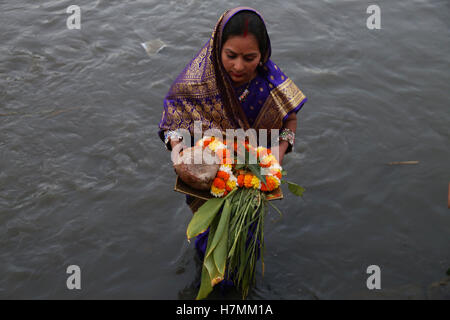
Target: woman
231 83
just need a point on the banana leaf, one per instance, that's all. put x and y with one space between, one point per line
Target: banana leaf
221 227
214 263
221 250
206 284
204 216
208 261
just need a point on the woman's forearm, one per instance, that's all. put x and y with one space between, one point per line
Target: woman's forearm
291 124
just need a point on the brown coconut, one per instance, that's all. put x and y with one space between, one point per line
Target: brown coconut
197 175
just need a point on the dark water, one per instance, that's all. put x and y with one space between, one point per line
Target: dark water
85 181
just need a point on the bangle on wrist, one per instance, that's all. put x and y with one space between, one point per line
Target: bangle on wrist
169 135
289 136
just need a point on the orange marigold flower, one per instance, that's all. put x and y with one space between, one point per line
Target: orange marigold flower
240 180
207 141
265 162
272 183
276 173
248 180
219 183
223 175
264 187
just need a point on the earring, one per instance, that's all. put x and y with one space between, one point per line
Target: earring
260 63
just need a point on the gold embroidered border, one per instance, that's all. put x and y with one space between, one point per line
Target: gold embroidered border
287 96
283 99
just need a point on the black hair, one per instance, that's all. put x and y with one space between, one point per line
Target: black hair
247 22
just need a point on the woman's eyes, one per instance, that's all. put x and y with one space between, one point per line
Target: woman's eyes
246 59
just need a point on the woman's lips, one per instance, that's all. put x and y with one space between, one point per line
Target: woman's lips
237 75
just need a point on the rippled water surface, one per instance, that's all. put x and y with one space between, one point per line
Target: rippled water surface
84 179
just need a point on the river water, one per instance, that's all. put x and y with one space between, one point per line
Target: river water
84 179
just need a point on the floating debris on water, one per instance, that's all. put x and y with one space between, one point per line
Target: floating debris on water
402 162
153 46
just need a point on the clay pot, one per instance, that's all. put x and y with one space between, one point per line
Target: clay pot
197 175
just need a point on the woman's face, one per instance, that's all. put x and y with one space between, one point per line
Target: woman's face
240 58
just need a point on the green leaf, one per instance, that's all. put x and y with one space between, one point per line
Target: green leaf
205 285
215 276
296 189
204 216
206 279
221 227
221 250
214 273
448 272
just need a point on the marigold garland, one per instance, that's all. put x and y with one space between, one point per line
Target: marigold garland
226 180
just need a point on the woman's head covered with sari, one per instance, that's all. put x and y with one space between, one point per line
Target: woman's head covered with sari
204 91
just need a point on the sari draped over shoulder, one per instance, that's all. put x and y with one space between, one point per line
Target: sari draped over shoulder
204 92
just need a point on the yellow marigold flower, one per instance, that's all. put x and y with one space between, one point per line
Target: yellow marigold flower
231 184
216 192
215 145
256 183
262 152
278 181
267 161
272 159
